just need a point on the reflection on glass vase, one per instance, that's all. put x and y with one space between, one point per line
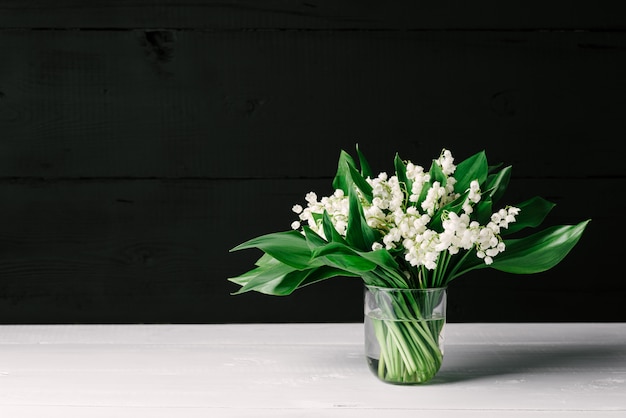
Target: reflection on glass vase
404 333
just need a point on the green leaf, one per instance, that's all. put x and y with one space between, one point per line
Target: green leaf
265 260
267 278
343 257
483 211
540 251
436 174
366 171
532 213
533 254
353 263
472 168
347 177
361 184
400 167
497 183
362 263
385 261
278 279
313 240
288 247
342 177
358 233
323 273
329 230
333 248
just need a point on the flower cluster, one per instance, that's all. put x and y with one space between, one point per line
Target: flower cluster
414 229
403 213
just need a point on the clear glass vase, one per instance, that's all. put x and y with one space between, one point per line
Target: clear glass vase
404 333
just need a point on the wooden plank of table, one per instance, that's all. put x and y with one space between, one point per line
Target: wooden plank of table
308 370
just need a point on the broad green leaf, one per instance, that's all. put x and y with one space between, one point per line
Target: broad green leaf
344 257
497 183
329 230
366 170
348 177
472 168
281 280
313 240
267 278
342 178
323 273
540 251
363 263
244 278
382 258
265 260
483 211
359 234
532 213
533 254
373 278
385 261
361 183
352 263
436 174
334 248
400 167
363 260
288 247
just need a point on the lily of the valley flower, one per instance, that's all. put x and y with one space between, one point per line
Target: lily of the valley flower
404 224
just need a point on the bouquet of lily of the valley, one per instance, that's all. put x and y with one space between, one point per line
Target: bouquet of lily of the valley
414 229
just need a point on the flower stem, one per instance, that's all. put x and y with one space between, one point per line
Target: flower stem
408 340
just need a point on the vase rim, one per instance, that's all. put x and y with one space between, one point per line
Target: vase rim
424 289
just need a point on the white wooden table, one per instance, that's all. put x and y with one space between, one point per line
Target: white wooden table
306 370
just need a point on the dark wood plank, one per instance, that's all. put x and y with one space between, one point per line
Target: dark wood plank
158 251
143 139
314 14
187 104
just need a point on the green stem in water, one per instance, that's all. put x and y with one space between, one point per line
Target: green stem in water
409 343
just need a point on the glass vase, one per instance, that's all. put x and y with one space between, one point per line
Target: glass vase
404 333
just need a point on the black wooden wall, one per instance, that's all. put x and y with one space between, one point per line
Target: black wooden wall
141 140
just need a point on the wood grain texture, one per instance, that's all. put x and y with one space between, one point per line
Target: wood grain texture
157 251
241 104
313 14
310 370
140 141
